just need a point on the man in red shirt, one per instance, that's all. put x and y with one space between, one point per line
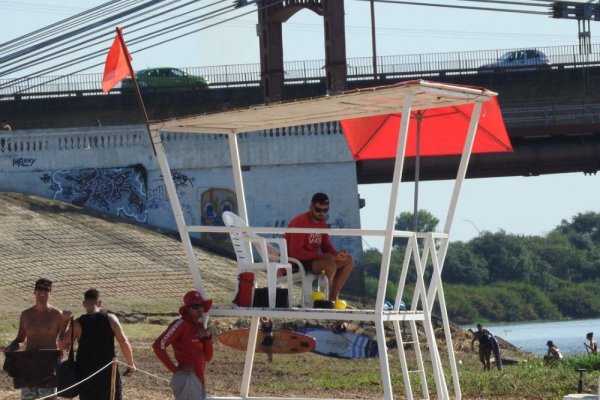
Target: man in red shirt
315 250
192 346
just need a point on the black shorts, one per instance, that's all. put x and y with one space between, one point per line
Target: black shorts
307 264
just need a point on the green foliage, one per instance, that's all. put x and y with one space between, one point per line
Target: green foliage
577 301
585 224
532 380
462 265
505 277
589 362
507 256
426 221
498 302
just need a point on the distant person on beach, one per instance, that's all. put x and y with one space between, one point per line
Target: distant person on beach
5 126
315 250
192 346
95 332
554 355
41 327
591 346
266 326
485 345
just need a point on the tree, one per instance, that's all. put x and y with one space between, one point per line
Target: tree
507 256
426 221
464 266
566 261
587 224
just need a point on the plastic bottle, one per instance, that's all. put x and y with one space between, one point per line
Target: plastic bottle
323 285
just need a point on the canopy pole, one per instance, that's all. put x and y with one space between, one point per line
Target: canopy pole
464 163
177 211
387 245
237 177
437 267
419 118
436 279
391 217
420 292
460 177
249 362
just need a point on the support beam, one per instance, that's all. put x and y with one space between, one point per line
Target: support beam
335 46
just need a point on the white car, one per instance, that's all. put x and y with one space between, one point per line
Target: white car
529 59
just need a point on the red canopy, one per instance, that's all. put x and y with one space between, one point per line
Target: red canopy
442 132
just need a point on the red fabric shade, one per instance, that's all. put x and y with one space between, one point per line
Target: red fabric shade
442 132
116 67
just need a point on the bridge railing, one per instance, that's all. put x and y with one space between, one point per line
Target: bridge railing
300 72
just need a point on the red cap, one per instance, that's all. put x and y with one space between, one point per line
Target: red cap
194 297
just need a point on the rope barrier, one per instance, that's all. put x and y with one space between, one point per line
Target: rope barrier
97 372
145 372
77 383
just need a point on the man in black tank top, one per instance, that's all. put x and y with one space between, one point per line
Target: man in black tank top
95 331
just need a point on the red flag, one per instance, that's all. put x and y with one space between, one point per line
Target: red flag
117 65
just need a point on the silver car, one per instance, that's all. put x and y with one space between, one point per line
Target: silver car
528 59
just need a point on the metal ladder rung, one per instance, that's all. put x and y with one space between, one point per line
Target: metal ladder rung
412 342
415 370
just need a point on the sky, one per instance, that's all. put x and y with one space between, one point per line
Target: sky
519 205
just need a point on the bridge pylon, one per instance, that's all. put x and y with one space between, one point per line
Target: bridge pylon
271 16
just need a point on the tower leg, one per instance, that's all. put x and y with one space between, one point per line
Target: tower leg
384 364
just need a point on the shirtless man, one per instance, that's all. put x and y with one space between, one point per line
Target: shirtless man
40 328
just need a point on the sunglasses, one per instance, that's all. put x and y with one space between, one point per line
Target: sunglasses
321 210
196 306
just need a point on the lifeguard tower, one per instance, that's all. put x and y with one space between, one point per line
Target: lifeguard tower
423 250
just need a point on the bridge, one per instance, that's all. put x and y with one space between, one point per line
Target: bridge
551 112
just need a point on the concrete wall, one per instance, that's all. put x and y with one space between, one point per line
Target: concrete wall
113 170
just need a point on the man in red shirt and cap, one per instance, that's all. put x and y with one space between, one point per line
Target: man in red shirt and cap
315 250
192 346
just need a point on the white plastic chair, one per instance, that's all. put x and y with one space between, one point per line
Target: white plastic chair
243 242
306 279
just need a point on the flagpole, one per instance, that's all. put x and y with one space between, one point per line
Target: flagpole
136 86
168 180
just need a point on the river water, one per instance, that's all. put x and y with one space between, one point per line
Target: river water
569 336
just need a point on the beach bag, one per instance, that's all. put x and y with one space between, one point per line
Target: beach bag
67 373
243 297
32 368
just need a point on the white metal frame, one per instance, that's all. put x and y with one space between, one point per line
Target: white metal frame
403 98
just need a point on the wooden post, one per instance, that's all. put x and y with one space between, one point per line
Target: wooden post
113 379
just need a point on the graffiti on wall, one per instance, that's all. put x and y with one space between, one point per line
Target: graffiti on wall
23 162
341 242
116 191
181 180
158 197
213 202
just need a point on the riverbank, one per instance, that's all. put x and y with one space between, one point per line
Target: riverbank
532 336
311 375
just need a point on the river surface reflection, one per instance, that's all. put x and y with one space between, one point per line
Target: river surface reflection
532 336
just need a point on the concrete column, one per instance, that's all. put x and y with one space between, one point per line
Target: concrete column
271 53
335 45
